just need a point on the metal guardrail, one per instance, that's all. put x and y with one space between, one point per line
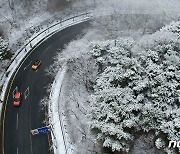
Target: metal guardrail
47 29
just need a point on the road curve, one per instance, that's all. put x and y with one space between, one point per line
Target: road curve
17 122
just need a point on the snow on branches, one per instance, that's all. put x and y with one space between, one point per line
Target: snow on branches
137 89
3 48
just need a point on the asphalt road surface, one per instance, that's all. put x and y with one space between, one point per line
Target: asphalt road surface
17 122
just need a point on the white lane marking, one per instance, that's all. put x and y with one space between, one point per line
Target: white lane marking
26 93
17 150
27 65
14 91
17 122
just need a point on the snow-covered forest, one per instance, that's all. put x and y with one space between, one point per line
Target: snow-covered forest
122 83
137 89
127 80
124 72
122 90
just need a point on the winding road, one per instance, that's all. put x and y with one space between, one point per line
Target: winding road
17 122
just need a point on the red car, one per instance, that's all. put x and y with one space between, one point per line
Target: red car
17 98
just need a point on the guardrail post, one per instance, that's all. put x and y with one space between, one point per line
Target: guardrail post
30 44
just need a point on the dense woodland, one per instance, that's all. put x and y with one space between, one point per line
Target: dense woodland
137 89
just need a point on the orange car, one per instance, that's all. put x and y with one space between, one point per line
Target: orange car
17 98
36 64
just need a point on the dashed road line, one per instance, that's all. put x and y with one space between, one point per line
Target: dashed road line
27 65
26 93
17 122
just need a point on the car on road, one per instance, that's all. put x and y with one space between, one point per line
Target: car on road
36 64
17 98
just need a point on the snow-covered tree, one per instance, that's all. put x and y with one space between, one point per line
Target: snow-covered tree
4 50
137 89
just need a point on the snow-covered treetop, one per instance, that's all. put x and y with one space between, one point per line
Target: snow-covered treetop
3 48
137 89
173 27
